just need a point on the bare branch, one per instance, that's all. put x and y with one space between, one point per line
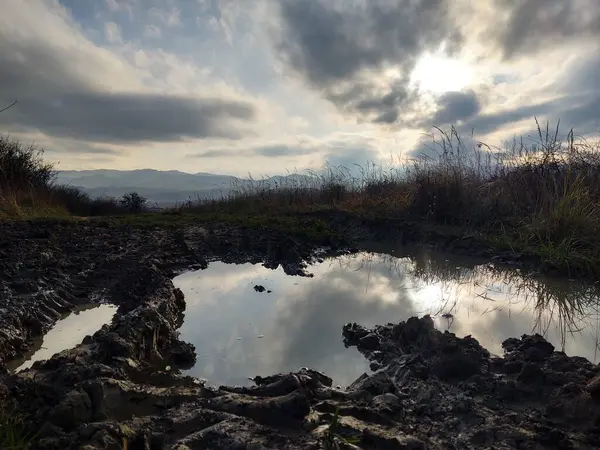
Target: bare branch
9 106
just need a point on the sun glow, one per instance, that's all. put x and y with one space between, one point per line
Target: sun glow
438 74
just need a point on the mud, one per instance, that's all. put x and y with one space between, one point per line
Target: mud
49 268
123 388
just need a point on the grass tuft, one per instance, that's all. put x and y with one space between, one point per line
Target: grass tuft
13 433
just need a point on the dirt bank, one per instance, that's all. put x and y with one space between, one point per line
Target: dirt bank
122 388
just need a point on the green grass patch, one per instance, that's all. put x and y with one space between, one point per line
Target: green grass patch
14 435
291 223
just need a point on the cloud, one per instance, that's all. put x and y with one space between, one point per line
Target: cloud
360 56
72 147
197 85
346 52
152 31
83 147
112 32
455 106
581 112
535 25
106 117
214 153
275 151
113 5
69 87
170 18
267 150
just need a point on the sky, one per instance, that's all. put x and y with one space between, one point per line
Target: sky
274 86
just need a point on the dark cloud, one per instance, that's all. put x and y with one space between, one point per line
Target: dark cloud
119 118
214 153
578 112
581 112
68 92
82 147
534 25
582 76
271 151
488 123
583 117
337 152
342 51
282 150
456 106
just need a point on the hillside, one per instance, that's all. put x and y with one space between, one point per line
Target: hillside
162 187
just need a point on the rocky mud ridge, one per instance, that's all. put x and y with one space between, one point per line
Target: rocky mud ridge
122 387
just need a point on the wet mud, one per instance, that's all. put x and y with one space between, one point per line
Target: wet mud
122 387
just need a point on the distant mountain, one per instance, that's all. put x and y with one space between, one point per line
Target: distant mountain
164 187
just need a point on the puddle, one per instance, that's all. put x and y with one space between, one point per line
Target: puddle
68 332
240 332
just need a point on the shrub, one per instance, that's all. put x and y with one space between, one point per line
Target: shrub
22 169
133 202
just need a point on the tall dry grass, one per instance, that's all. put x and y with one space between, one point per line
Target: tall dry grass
24 179
540 197
28 187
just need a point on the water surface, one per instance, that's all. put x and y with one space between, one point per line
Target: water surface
239 332
68 332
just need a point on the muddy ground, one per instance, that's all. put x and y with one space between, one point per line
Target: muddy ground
429 390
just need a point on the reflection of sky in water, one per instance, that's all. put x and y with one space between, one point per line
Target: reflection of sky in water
240 333
69 331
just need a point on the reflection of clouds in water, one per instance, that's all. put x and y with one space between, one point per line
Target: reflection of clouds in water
227 278
70 331
501 325
495 327
494 305
220 310
302 319
308 326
